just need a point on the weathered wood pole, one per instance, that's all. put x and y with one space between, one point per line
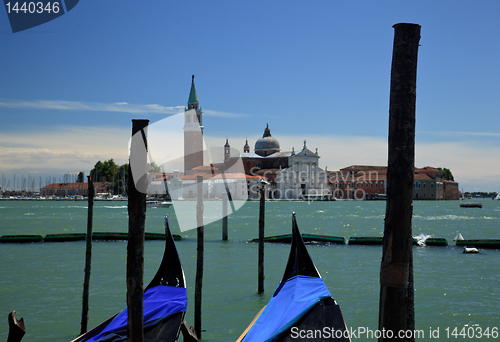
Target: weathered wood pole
225 199
88 257
199 258
262 211
136 226
396 291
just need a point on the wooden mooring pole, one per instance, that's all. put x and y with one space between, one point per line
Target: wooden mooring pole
136 227
262 211
88 257
396 271
225 199
199 258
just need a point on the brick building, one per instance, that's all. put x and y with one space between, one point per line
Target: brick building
72 189
370 182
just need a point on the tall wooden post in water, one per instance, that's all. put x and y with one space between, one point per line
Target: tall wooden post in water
262 211
225 199
137 185
199 258
88 257
396 270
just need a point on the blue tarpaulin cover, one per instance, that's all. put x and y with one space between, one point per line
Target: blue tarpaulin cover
297 296
159 302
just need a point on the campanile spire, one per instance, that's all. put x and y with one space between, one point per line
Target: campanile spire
193 132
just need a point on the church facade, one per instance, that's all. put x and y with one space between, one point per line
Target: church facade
292 175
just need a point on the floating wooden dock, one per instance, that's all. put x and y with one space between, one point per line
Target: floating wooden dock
365 240
433 242
101 236
483 243
64 237
287 238
97 236
374 240
21 238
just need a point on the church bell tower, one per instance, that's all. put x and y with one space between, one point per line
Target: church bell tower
193 133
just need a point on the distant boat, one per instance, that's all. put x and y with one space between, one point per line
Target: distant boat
458 237
158 204
498 197
471 205
470 250
301 302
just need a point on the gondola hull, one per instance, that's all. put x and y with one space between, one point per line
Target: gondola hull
164 306
300 304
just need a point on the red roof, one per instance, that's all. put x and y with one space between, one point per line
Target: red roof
219 176
422 176
55 186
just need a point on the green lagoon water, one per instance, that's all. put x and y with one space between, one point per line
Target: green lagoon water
43 282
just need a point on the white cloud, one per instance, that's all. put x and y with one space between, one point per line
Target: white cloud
474 163
62 149
123 107
223 114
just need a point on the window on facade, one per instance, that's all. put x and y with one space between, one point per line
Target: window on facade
424 185
432 185
376 184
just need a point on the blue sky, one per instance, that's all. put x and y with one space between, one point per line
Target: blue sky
316 71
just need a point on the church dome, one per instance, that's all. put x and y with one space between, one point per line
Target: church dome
267 145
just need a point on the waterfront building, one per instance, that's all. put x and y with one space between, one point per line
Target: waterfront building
370 182
428 184
292 175
178 186
358 182
73 189
450 190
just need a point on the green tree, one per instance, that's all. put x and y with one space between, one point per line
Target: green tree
116 175
152 167
80 179
446 173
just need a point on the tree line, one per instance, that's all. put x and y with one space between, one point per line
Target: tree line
117 175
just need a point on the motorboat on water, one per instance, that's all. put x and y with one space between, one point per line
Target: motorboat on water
158 204
471 205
